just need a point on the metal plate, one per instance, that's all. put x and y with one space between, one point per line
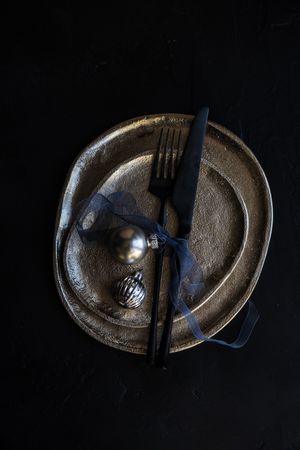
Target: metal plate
92 270
231 231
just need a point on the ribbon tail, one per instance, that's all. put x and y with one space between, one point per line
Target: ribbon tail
247 327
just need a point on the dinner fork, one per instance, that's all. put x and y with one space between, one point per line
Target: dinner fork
161 185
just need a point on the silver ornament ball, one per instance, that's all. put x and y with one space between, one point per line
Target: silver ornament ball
130 292
128 244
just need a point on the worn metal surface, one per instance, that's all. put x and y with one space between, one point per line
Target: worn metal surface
231 231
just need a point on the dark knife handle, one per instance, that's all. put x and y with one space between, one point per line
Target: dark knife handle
152 342
165 343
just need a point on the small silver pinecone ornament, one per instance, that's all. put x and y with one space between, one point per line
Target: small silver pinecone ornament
130 291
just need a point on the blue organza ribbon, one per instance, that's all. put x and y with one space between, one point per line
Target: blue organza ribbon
99 214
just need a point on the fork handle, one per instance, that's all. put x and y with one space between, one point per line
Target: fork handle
166 338
164 348
162 217
152 342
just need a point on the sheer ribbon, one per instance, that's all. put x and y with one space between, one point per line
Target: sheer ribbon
99 215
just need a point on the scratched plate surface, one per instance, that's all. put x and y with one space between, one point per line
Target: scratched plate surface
231 231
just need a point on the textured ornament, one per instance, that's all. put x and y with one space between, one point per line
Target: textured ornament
130 291
128 244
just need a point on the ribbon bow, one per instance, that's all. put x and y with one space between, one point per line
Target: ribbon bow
186 274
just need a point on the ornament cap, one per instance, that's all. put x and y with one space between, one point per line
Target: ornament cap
138 275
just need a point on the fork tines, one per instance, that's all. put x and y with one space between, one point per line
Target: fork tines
167 155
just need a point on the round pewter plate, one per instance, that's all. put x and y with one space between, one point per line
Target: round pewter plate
231 231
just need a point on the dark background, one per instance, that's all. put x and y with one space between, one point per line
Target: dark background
67 75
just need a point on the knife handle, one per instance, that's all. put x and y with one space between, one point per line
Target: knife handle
152 342
165 343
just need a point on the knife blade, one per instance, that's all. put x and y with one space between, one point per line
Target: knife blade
183 199
185 188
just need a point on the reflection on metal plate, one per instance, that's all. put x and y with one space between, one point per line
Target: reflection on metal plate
231 231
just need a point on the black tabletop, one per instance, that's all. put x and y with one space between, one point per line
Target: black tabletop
70 73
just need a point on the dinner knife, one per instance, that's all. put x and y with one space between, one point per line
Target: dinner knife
183 200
